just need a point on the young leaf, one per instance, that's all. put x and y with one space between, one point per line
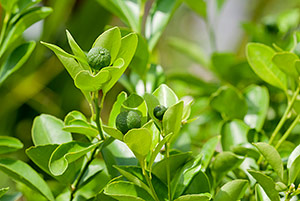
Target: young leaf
157 20
260 194
233 133
116 109
78 51
81 127
208 151
66 153
232 191
285 61
165 96
267 184
172 119
9 144
115 133
125 191
230 102
272 157
86 81
74 115
139 141
110 40
195 197
152 102
47 129
257 98
260 59
23 173
16 59
294 164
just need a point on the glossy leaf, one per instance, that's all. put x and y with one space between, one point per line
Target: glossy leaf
126 52
199 184
260 194
172 119
232 191
195 197
74 115
157 20
115 133
110 40
16 59
233 133
285 61
165 96
9 144
230 102
260 59
272 157
127 191
81 127
86 81
136 103
48 129
294 164
257 98
41 154
23 173
267 184
152 102
66 153
139 141
116 109
208 151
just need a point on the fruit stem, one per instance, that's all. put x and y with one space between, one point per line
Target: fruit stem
283 119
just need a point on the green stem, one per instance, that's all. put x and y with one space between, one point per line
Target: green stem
167 155
151 186
287 133
4 26
98 109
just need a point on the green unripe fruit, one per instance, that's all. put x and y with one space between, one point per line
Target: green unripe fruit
98 57
128 120
159 111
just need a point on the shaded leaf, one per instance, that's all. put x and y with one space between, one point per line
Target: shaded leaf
116 109
232 191
9 144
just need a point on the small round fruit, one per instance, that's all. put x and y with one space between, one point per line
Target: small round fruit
159 111
98 57
128 120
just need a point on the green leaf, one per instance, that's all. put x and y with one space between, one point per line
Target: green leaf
126 191
135 175
199 184
78 51
165 96
198 6
23 173
267 184
115 133
152 102
285 61
294 164
260 59
3 191
195 197
110 40
233 133
260 194
183 178
220 4
226 101
9 144
272 157
126 52
257 98
139 63
86 81
116 109
172 119
47 129
158 149
139 141
66 153
160 14
11 197
16 59
232 191
8 5
74 115
95 167
34 15
225 162
81 127
41 154
176 161
208 151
